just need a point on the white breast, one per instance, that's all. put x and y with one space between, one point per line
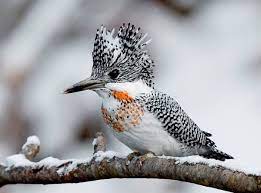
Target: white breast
149 136
146 136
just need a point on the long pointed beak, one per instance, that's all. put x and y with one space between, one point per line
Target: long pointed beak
87 84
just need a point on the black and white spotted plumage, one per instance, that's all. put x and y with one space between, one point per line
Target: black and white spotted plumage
122 73
179 125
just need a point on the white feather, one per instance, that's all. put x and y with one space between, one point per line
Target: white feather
132 88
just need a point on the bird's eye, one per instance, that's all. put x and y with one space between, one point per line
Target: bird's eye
114 74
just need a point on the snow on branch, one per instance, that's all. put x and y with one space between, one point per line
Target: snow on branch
20 168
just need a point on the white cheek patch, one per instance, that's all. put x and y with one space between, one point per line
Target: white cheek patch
132 88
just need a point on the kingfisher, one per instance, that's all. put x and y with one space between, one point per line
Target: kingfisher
140 116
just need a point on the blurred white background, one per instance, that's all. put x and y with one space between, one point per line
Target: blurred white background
207 56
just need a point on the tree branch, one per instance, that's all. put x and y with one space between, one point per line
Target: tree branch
107 164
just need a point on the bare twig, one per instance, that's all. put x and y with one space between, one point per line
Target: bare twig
106 165
99 142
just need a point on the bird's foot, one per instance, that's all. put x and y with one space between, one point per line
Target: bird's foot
133 155
138 154
141 157
144 157
149 154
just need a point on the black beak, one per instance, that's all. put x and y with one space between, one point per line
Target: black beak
87 84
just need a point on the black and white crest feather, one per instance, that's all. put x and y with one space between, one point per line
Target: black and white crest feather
124 51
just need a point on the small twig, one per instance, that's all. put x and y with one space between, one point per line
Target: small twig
31 148
99 143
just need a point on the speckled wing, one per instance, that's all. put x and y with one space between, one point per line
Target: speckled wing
180 126
175 121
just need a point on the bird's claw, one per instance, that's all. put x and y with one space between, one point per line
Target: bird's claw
133 154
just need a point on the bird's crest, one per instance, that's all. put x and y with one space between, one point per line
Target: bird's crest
124 50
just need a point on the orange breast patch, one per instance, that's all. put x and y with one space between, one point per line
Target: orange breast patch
109 121
122 96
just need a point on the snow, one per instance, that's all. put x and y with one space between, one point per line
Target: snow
51 161
100 155
17 160
232 164
32 140
73 165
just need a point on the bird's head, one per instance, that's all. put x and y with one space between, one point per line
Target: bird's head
117 59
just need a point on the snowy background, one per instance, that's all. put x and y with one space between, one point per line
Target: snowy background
207 56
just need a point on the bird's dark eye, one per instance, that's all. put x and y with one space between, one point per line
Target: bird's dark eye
114 74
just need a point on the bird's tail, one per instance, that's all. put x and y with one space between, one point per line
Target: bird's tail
213 153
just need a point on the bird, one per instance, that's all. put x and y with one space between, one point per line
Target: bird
140 116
